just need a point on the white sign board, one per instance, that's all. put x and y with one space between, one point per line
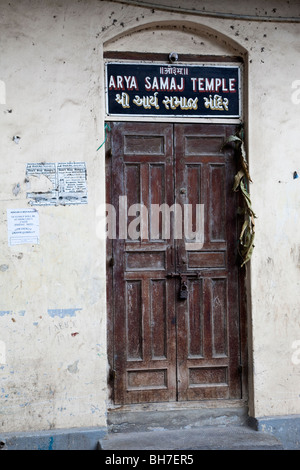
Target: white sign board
23 226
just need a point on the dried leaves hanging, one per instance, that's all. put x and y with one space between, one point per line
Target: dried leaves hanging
241 182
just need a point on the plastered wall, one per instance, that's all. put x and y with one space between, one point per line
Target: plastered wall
52 306
52 313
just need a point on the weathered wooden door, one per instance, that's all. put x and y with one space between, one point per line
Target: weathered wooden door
163 347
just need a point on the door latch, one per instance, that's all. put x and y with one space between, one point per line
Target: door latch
183 293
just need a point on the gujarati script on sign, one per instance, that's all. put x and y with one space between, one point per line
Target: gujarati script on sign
161 90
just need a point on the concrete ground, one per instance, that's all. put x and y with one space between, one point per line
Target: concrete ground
204 438
185 429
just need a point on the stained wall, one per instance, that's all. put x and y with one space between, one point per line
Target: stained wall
53 364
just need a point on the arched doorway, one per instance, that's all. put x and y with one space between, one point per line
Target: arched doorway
163 347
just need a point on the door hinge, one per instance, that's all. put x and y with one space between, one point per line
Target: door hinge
112 375
112 261
240 368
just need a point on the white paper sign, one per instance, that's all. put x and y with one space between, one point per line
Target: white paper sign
69 183
23 226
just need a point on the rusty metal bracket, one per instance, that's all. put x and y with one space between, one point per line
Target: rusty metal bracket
191 274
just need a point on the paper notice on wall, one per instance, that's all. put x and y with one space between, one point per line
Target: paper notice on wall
23 226
69 183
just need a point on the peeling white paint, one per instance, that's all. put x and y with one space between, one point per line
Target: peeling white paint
73 368
2 92
39 184
2 352
4 267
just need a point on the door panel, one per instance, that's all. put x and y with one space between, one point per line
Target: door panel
164 348
144 303
204 175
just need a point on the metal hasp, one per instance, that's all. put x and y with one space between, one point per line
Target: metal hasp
183 291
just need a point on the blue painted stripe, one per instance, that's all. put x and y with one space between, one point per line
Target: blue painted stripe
5 312
63 312
11 312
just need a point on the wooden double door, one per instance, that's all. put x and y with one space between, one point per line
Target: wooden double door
173 298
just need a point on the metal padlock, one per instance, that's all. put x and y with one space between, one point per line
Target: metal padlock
183 293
